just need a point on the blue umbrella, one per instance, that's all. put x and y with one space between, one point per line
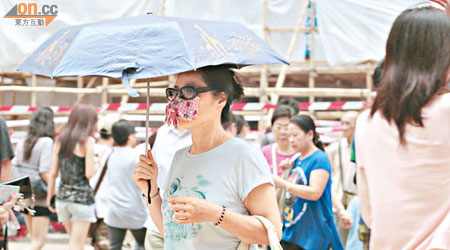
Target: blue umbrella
147 46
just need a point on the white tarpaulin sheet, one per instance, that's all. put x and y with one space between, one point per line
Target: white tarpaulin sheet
350 31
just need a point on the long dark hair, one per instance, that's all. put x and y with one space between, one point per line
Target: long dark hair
41 125
306 123
80 126
222 79
415 68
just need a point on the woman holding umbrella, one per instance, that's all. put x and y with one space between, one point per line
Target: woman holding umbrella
214 185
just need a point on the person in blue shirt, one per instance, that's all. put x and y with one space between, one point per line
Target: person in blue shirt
308 218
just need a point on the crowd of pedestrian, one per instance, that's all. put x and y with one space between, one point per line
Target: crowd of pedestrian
385 183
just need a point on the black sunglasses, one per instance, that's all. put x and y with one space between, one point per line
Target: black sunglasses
185 93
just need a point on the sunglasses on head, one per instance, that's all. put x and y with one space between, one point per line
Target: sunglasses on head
185 93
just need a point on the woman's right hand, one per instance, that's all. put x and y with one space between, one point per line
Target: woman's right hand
285 164
146 169
49 205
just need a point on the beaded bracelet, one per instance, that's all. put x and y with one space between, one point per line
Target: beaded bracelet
221 216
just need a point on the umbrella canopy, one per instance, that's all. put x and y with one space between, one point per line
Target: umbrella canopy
147 46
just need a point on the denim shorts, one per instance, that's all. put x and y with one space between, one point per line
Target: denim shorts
69 211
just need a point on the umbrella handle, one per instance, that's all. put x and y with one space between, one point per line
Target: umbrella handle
149 189
149 153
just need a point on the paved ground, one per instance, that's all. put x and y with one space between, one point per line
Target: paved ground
59 241
48 246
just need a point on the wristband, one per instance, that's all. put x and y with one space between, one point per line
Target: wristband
288 185
221 216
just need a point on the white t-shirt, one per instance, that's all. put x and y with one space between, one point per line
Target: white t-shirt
225 176
167 142
41 156
102 153
126 207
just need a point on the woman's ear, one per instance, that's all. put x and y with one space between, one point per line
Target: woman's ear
222 100
311 134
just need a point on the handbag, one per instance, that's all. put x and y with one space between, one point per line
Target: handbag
39 186
280 193
25 187
271 233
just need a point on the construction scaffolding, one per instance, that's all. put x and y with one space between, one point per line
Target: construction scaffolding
308 81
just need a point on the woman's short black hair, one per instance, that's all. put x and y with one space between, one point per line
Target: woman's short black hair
291 102
223 80
282 111
121 130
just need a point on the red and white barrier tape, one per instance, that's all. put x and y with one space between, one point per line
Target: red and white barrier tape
161 107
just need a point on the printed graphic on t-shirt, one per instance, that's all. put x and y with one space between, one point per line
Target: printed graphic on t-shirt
172 230
298 177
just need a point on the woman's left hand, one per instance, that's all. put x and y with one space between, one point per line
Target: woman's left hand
194 210
279 182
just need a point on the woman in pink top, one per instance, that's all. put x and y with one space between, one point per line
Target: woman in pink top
280 151
403 142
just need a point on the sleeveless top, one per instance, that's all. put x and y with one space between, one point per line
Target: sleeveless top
74 186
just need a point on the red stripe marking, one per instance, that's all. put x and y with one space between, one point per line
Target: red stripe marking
238 106
142 106
304 105
5 108
32 109
64 109
113 106
269 106
336 106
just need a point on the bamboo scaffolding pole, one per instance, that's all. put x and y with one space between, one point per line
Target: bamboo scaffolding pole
263 78
369 84
143 85
160 92
162 8
312 33
282 75
306 69
89 85
105 82
307 63
80 86
33 100
311 81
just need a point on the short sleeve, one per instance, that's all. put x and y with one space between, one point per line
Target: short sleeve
19 153
45 159
253 171
6 150
322 162
266 150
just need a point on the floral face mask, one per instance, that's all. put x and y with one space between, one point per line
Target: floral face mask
186 109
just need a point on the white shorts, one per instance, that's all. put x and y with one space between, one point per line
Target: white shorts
69 211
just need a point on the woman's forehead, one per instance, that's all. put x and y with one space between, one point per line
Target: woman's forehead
293 126
191 78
